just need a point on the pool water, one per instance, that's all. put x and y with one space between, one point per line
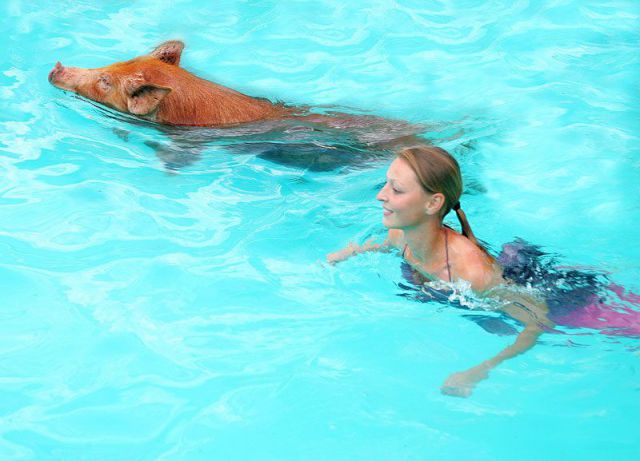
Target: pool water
163 304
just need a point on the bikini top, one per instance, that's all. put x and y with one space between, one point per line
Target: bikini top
446 252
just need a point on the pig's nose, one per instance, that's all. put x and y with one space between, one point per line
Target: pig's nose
56 70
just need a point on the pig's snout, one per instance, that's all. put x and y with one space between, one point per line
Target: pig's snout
57 70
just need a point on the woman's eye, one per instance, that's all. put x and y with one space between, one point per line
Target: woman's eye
397 191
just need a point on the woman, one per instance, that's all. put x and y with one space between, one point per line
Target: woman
423 185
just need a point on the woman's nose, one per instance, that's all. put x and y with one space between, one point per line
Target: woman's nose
382 195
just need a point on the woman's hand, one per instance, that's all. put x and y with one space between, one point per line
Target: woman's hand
341 255
461 384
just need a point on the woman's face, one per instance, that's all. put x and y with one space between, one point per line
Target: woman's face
404 201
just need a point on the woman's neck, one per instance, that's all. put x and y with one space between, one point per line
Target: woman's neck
425 241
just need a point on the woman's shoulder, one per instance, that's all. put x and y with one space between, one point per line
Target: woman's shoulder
469 262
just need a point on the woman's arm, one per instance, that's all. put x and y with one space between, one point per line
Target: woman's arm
392 241
524 308
353 249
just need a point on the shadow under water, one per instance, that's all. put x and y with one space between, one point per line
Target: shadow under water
328 144
318 138
317 141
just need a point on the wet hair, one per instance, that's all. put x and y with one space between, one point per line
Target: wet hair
438 171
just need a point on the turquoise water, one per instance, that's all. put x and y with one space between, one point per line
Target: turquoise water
152 313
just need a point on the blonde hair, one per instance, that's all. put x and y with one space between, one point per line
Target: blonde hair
438 171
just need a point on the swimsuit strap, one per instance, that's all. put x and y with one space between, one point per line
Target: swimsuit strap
404 250
446 252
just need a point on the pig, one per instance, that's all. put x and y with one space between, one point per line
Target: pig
156 88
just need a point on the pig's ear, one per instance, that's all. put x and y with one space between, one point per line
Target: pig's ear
145 98
169 52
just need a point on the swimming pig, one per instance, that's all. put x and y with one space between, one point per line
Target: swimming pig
156 88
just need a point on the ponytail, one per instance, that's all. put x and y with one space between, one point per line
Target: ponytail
466 228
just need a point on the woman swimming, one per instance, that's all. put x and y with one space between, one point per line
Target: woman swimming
423 185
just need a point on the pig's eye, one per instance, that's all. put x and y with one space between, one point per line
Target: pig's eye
104 82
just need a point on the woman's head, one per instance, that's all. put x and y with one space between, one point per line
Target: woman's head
437 172
423 183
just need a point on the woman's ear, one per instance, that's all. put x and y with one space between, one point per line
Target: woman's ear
434 204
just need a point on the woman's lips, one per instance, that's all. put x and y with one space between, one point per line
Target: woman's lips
386 212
